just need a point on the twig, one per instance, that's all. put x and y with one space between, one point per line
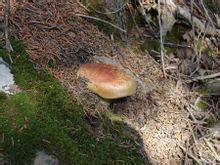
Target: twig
207 13
195 52
186 155
193 135
101 20
192 115
136 26
83 6
7 41
111 12
204 77
161 40
142 11
189 154
192 22
5 63
176 45
217 157
198 23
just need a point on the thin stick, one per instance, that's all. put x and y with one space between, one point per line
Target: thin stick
195 52
101 20
111 12
217 157
176 45
186 155
7 41
207 14
205 77
142 11
192 22
136 26
83 6
161 40
189 154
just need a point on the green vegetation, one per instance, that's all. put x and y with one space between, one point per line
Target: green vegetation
175 37
201 105
150 44
97 8
97 5
44 117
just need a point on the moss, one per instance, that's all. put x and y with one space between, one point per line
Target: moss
44 117
150 44
52 63
210 122
175 35
169 49
201 45
202 105
99 5
2 96
153 44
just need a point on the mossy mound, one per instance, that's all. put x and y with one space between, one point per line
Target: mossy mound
44 117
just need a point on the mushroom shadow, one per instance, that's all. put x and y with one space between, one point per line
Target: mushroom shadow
119 132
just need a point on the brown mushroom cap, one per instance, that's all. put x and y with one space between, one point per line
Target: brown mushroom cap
107 81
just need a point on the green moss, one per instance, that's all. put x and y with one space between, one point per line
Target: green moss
96 9
169 49
44 117
2 96
153 44
175 36
98 5
210 122
150 44
201 105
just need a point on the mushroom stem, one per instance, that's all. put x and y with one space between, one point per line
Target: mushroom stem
106 102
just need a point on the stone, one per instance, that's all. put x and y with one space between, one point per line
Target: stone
43 159
6 77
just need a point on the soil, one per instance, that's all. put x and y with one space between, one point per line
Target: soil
59 41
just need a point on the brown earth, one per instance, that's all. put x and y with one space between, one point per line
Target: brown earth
59 41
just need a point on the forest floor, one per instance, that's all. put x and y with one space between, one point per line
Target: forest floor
57 114
44 117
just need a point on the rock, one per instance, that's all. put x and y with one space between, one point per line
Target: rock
187 67
43 159
184 53
213 87
7 79
216 131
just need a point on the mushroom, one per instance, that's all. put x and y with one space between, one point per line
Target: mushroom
107 81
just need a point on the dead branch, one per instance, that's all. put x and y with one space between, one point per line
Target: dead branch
161 40
202 26
190 155
172 12
111 12
217 157
101 20
6 17
211 76
141 9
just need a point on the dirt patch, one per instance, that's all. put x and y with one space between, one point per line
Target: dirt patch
59 41
156 111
